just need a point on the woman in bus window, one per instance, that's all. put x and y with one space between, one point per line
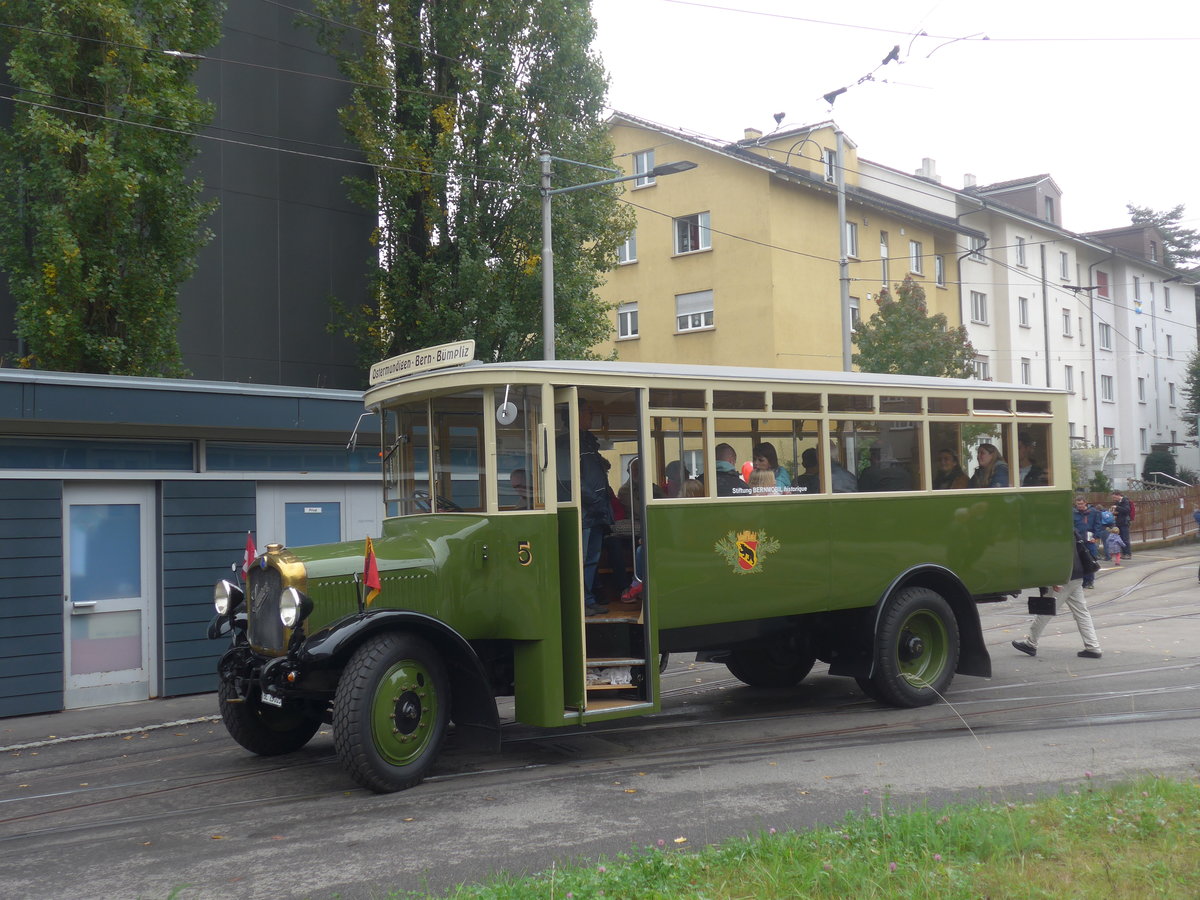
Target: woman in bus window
992 470
766 459
949 473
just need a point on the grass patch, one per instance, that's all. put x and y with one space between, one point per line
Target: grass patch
1134 840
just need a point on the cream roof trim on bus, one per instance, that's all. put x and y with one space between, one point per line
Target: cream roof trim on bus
597 371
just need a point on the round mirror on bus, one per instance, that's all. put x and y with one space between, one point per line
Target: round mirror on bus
506 413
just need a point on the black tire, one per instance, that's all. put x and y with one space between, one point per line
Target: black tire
916 649
867 686
265 730
776 664
391 711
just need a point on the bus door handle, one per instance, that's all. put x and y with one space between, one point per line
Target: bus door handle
81 607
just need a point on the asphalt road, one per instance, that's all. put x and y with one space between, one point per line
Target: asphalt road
141 800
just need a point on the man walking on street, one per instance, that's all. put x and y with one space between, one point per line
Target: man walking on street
1124 514
1075 602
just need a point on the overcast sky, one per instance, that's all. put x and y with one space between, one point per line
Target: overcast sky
1099 95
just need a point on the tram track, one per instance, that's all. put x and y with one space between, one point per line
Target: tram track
113 800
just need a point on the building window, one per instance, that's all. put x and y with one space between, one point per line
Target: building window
1170 393
979 307
1153 251
1143 440
1069 378
1166 298
983 371
1066 319
643 165
1141 390
1104 331
627 250
855 313
1137 339
939 270
977 245
831 166
1064 264
1170 347
692 233
1101 284
1137 288
852 239
1106 388
1050 210
916 258
1110 439
1023 312
883 258
1026 371
627 321
694 311
1020 248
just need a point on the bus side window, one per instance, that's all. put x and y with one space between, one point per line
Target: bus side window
984 456
1033 455
888 456
680 452
518 470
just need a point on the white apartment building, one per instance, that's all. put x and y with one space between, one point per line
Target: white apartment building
1098 315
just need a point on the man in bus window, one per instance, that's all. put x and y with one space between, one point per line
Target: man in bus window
519 479
729 480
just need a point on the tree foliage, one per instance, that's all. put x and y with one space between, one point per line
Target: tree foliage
454 101
1159 461
901 338
1181 246
1191 393
99 222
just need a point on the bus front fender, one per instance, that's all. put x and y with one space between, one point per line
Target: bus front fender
473 707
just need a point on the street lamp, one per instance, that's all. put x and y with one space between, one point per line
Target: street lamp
671 168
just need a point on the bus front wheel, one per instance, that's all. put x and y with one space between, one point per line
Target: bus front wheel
777 664
391 711
916 649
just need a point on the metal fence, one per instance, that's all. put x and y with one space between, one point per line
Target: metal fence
1160 514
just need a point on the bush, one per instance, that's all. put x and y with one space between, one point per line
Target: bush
1100 483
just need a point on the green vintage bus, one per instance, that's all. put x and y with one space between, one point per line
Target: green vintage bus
893 506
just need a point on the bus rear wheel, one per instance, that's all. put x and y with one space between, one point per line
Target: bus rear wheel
916 649
391 711
776 664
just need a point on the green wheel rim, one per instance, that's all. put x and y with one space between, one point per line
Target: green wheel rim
404 712
924 646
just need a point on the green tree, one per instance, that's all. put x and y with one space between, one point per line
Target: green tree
454 101
901 338
99 222
1159 461
1191 393
1180 245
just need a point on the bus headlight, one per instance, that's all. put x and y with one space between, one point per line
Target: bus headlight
226 596
294 607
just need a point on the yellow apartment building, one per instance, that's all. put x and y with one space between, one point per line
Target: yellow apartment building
736 262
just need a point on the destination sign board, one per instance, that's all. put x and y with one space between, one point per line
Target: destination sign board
425 360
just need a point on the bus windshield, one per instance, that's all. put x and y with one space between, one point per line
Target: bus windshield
437 457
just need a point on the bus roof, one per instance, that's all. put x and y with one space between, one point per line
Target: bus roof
593 371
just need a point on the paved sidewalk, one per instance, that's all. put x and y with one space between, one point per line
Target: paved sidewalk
20 732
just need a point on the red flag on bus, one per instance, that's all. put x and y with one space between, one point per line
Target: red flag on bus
248 556
371 574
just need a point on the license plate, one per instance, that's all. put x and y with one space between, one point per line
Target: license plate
272 700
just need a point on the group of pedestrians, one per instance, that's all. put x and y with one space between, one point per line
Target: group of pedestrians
1098 533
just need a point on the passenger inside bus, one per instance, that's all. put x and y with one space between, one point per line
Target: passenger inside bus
992 470
729 480
766 459
809 481
949 473
519 479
